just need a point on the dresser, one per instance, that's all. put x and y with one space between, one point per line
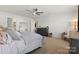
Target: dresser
42 31
74 42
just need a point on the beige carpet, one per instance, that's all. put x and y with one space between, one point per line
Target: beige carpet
53 46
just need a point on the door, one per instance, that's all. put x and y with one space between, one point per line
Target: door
32 25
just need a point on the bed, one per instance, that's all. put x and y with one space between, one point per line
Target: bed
22 43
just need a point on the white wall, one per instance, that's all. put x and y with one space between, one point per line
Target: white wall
4 15
32 26
58 23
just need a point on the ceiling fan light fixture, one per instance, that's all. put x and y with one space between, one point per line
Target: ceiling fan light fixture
35 9
34 12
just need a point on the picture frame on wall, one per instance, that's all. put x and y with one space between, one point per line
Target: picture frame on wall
23 26
9 22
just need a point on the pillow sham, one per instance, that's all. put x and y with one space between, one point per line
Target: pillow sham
8 39
2 38
18 33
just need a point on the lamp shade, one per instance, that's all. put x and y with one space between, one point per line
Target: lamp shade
74 24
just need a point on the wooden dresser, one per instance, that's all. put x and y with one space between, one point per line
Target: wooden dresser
74 34
42 31
74 42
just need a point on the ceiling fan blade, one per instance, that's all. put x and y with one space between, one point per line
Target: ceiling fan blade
30 15
33 12
29 11
40 12
37 13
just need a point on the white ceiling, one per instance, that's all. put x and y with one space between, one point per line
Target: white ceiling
21 9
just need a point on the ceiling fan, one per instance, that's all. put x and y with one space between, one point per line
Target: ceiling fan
34 12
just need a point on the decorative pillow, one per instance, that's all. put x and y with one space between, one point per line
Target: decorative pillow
8 38
18 33
2 38
13 34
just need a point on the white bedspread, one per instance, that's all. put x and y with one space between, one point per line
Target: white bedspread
30 36
26 39
8 49
19 46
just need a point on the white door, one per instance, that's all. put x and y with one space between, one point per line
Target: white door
32 25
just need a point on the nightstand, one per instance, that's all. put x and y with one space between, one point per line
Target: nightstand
49 34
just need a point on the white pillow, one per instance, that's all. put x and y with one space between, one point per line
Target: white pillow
18 33
8 38
3 39
14 35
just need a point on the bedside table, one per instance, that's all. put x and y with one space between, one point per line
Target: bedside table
49 34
